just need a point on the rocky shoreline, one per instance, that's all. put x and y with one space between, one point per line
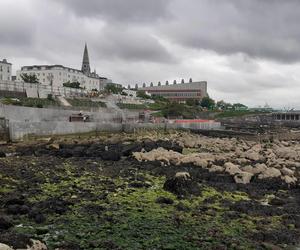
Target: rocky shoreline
150 191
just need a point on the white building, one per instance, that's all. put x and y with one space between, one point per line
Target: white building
5 70
130 92
57 75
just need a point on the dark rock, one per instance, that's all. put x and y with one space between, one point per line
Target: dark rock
127 150
2 154
277 202
13 209
79 151
110 155
37 217
14 201
24 209
149 145
42 230
181 186
5 223
15 240
164 200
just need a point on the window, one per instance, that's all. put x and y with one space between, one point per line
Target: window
1 68
8 69
1 77
43 74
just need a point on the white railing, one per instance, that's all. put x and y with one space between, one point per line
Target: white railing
41 89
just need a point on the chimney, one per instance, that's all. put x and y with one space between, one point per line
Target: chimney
174 82
144 85
136 86
182 80
191 80
159 84
128 86
151 84
167 83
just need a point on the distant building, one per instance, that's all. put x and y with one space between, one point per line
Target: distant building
5 70
130 92
56 75
179 92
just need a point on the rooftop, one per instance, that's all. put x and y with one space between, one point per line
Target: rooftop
5 61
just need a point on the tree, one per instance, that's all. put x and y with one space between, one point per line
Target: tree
29 78
142 94
192 102
113 89
207 102
74 85
221 105
239 106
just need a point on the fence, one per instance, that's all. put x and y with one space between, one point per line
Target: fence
41 90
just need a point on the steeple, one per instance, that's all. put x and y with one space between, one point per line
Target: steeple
86 62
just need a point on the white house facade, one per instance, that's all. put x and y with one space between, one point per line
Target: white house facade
57 75
5 70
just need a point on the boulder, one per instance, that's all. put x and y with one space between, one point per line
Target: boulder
287 171
216 169
270 173
289 180
5 223
5 247
252 155
243 177
37 245
286 153
231 168
183 175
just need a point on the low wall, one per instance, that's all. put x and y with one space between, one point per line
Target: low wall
22 130
27 114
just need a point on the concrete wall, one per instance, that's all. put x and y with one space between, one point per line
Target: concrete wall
27 114
21 130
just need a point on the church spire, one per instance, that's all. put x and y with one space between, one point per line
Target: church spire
86 62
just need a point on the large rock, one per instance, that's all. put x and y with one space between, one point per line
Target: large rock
270 173
252 155
289 180
37 245
5 223
287 171
243 177
287 153
216 169
5 247
231 168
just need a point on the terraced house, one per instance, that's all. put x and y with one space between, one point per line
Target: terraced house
5 70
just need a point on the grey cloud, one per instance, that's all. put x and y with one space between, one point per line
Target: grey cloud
131 45
120 10
261 29
13 31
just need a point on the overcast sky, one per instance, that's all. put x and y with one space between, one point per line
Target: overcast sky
247 50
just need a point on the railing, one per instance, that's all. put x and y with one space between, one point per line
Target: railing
41 89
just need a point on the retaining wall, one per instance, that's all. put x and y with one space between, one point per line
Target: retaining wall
22 130
27 114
